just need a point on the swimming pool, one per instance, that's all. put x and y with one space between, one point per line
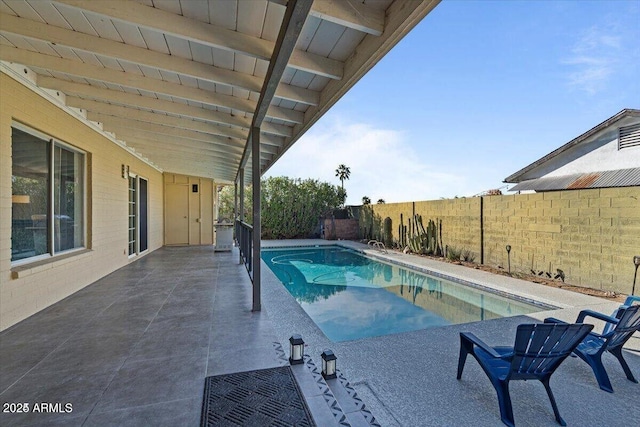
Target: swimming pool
351 296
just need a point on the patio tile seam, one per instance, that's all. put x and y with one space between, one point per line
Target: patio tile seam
87 322
139 340
113 376
117 371
213 301
35 366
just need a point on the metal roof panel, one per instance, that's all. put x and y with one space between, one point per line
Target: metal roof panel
603 179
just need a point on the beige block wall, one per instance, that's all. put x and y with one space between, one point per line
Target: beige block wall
30 290
460 219
592 235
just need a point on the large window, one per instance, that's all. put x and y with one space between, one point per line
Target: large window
47 196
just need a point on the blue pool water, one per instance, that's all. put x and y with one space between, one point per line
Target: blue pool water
350 296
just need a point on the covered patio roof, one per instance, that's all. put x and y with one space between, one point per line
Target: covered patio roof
179 82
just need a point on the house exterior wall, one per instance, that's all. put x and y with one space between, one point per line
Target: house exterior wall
598 153
30 288
605 157
592 235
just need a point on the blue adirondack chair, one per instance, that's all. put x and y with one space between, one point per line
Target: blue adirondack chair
538 350
594 345
627 302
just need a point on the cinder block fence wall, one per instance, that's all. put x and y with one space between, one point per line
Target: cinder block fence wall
591 235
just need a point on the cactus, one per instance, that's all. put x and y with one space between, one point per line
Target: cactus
402 234
425 240
387 236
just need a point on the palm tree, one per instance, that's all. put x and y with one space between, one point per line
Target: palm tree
343 172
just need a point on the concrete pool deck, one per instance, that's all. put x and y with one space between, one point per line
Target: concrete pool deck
134 348
408 379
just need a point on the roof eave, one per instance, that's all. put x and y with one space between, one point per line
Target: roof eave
627 112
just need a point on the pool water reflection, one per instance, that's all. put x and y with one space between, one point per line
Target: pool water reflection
350 296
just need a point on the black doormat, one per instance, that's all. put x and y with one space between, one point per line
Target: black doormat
267 397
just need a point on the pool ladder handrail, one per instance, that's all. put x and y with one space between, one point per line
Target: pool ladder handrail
376 244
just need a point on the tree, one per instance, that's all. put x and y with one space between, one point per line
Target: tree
381 202
291 207
226 203
343 172
366 200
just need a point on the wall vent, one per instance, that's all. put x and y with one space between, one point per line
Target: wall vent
629 136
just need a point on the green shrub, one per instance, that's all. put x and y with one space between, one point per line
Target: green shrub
291 207
453 253
468 256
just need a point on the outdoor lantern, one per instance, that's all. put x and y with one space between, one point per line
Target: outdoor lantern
296 349
508 248
328 365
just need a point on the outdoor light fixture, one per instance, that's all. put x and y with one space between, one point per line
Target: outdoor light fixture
328 365
508 248
296 345
636 262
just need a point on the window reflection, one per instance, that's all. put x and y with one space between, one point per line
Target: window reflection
46 218
29 190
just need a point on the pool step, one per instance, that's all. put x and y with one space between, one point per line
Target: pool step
331 402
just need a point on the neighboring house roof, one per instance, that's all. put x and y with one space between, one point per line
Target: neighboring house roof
615 178
527 179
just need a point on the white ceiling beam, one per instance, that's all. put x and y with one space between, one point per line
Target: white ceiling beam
240 135
267 148
161 61
351 14
164 142
161 150
134 101
149 146
157 149
274 134
207 34
348 13
276 129
221 144
274 141
125 98
201 167
135 81
129 99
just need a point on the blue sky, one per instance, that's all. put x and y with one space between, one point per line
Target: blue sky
477 91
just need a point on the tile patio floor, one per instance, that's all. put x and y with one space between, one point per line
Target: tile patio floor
134 348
